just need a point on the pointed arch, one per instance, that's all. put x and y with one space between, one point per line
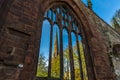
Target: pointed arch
67 19
55 69
42 69
75 17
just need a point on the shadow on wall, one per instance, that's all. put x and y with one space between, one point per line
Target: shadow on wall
115 60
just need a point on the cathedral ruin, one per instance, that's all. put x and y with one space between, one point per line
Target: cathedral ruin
21 24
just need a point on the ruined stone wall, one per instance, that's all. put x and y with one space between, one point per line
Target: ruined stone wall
110 37
17 33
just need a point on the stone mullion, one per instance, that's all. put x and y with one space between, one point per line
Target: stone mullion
50 52
48 13
71 57
79 57
61 55
61 47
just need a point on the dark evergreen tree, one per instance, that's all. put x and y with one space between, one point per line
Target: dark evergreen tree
89 4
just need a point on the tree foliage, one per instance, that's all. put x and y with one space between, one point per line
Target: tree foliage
42 68
67 74
116 20
89 4
76 63
83 61
55 67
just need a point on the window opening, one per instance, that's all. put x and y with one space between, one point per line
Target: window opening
55 53
42 69
50 55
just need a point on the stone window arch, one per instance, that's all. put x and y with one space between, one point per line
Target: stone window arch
63 16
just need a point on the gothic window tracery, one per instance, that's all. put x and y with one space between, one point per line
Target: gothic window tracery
64 55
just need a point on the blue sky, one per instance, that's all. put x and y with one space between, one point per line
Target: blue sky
105 8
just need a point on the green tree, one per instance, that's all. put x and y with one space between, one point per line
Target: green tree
55 64
55 67
76 63
42 68
116 21
66 65
89 4
84 68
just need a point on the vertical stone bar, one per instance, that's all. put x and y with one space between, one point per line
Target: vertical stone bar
50 52
79 57
61 55
61 48
71 57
